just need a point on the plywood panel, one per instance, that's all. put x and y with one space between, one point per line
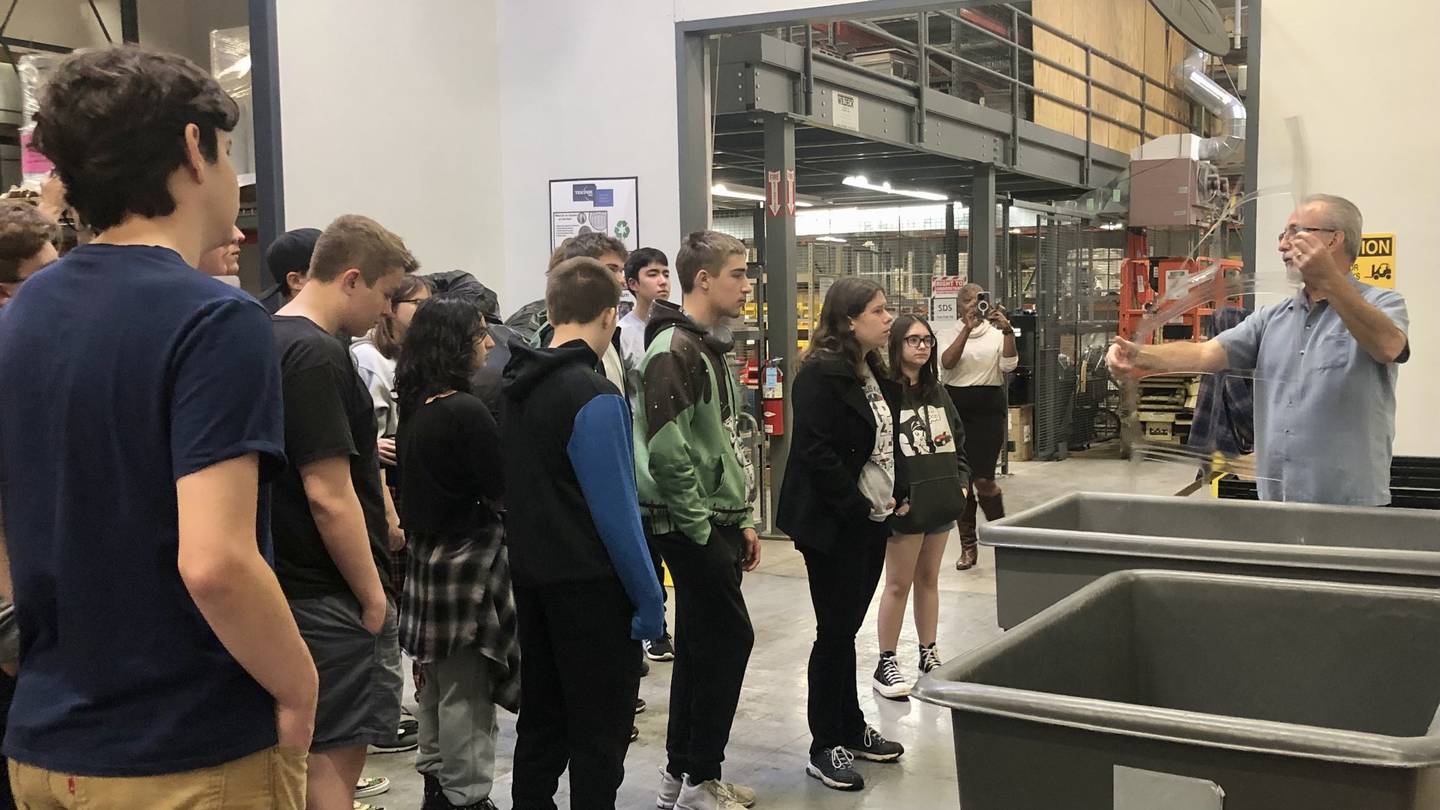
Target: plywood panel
1048 113
1134 34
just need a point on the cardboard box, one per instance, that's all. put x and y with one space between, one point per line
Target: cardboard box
1021 436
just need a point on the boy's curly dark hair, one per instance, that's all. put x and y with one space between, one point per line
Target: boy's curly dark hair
113 121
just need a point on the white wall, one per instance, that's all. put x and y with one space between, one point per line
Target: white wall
602 105
1364 87
392 111
691 10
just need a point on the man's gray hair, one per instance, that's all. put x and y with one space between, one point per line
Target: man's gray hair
1344 216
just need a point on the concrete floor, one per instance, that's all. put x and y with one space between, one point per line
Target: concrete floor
769 743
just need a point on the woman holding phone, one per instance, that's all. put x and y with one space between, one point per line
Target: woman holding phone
976 354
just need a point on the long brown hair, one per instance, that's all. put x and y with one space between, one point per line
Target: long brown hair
832 336
929 377
387 337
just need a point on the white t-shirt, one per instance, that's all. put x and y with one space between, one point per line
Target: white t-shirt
982 362
632 339
877 477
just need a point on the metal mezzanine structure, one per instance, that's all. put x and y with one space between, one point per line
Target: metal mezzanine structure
785 103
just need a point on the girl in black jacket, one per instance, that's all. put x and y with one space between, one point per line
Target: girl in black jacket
931 476
837 494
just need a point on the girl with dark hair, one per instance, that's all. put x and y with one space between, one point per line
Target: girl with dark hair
976 354
931 477
457 616
837 494
375 355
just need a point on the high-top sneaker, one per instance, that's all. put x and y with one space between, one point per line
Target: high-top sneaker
929 658
888 681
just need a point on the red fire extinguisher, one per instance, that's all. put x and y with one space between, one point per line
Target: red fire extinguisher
772 398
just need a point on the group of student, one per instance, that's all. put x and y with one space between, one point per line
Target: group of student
213 578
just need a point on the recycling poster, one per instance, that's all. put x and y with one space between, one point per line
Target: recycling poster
608 205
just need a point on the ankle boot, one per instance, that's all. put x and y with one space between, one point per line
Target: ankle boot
993 505
969 542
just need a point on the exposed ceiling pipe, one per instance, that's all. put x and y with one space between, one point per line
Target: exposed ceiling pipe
1218 101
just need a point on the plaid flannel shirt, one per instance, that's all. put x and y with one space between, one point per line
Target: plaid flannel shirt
457 596
1225 409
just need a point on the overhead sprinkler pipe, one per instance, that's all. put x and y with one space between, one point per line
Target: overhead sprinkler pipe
1219 101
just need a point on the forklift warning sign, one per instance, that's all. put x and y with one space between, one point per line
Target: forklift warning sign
1376 264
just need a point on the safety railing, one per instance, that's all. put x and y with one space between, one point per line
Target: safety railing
924 53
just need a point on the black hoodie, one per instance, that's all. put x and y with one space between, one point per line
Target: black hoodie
570 460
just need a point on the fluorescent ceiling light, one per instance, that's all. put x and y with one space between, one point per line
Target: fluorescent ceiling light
837 240
748 193
861 181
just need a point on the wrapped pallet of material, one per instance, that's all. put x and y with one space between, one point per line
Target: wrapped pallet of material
230 65
33 69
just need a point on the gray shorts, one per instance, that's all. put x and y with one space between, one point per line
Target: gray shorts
360 677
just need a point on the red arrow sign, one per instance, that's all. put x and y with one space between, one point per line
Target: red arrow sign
772 192
790 191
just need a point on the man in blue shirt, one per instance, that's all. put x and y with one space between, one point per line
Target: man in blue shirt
1326 364
140 427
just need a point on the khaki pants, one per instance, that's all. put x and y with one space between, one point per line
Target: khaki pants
273 779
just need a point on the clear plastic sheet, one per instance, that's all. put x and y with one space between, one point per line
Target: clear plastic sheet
1210 285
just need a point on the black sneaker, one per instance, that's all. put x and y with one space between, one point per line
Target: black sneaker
835 768
875 747
929 658
639 705
434 794
887 681
634 733
407 738
661 649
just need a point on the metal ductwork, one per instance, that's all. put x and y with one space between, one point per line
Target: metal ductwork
1231 110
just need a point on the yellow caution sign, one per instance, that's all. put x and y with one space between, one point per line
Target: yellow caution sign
1376 263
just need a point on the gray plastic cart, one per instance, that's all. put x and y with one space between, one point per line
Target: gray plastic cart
1047 553
1182 691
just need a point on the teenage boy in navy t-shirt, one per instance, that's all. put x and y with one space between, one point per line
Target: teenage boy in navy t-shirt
140 427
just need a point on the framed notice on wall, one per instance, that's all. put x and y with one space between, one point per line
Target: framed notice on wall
609 205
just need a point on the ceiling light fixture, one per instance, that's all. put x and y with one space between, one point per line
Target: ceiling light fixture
837 240
861 181
748 193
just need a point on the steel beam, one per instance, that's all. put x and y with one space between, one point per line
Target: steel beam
693 103
781 287
982 226
265 86
952 242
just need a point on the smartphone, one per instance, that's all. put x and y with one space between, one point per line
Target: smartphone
982 303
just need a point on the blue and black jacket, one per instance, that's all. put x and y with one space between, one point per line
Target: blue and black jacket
569 462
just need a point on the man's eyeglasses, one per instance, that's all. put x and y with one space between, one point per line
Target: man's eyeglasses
1293 230
917 341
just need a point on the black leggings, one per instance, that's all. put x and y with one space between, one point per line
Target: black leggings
982 412
842 583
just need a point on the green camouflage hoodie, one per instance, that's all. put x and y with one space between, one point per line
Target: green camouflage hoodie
689 466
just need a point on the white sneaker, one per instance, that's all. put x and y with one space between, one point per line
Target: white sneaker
708 795
670 792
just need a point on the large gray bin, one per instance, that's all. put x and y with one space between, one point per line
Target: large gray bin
1047 553
1285 694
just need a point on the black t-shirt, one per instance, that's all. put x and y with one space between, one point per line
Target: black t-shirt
328 413
450 455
